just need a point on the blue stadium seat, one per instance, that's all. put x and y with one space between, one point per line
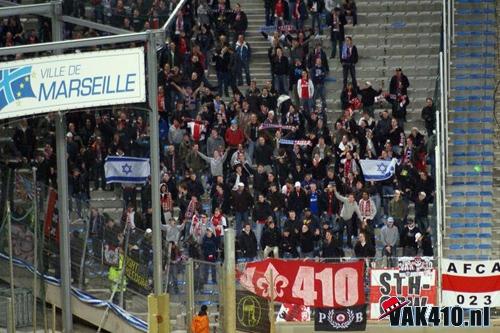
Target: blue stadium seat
471 193
487 142
456 257
470 225
471 204
486 193
456 236
457 204
465 11
486 215
470 247
485 225
485 235
470 257
487 131
471 215
456 225
470 235
459 142
459 154
457 183
456 215
486 204
483 257
484 246
457 194
472 183
456 247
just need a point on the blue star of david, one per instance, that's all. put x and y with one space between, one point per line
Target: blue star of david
381 167
126 169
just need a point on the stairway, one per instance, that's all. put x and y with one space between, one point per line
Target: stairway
469 190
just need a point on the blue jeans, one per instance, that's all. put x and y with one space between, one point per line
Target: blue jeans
259 227
319 93
239 219
281 84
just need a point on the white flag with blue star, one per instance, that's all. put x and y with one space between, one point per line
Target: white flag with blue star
378 170
125 169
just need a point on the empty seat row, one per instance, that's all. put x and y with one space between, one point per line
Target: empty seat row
475 22
486 153
458 225
470 247
471 173
471 204
474 98
475 66
472 183
473 120
473 76
472 131
471 215
472 163
475 55
464 88
475 1
470 235
485 108
464 11
470 257
476 33
471 194
472 142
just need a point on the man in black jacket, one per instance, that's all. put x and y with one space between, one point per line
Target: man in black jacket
247 243
368 95
429 116
239 21
398 90
222 59
336 21
348 59
280 67
270 240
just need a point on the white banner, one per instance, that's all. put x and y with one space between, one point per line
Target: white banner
72 81
471 284
125 169
378 170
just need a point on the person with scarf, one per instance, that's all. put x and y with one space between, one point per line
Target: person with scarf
398 95
218 222
166 203
305 92
349 58
367 208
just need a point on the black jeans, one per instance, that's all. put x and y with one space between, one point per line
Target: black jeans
349 68
352 229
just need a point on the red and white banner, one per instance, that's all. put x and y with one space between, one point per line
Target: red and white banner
420 289
51 222
306 282
294 312
471 284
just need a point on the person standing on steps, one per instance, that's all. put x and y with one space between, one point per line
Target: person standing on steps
244 53
349 58
336 21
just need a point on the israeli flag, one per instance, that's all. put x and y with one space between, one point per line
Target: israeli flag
378 170
124 169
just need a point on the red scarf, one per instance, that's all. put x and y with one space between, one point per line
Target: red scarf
347 167
217 221
366 208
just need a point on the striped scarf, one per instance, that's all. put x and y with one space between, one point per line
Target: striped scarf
296 142
269 126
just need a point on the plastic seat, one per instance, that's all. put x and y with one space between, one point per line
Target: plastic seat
471 215
487 131
486 204
487 142
483 257
485 246
456 215
486 215
470 225
485 235
470 235
471 193
486 193
455 236
472 183
487 183
457 194
459 154
470 257
457 204
459 142
457 184
456 225
470 247
472 204
455 247
458 174
485 225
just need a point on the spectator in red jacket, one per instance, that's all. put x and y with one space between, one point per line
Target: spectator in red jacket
234 135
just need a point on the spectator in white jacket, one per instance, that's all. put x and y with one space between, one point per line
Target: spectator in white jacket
305 91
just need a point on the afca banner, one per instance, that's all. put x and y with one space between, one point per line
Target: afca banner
418 288
471 284
71 81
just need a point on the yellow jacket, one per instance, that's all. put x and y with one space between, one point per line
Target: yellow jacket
114 274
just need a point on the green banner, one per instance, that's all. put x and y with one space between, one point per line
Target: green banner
252 313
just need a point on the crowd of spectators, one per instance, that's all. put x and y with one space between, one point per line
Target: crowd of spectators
269 160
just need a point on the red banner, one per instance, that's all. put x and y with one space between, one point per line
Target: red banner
419 288
307 283
51 223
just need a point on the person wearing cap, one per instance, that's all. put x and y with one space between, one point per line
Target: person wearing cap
200 323
336 21
297 199
368 95
242 202
409 238
389 236
247 243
